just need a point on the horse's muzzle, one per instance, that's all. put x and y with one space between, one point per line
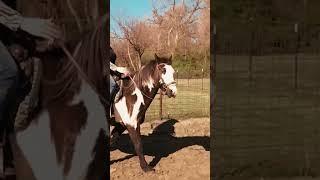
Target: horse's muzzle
170 93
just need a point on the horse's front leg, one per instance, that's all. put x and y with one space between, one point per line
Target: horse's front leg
136 139
116 133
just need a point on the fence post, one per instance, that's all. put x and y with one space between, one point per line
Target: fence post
177 76
250 57
296 30
214 50
160 112
188 76
202 78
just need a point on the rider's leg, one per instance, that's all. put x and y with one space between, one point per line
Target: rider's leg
113 88
8 80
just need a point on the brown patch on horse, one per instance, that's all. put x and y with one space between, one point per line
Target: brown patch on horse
153 69
130 99
62 82
66 123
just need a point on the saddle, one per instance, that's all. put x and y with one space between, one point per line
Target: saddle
116 96
27 102
31 67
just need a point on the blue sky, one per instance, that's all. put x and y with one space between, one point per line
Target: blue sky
138 9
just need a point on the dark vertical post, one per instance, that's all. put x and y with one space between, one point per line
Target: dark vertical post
214 51
177 76
2 143
213 80
160 112
202 78
296 29
188 75
250 56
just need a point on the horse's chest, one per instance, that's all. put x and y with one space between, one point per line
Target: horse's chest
69 132
129 107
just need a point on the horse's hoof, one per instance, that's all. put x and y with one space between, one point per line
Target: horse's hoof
148 169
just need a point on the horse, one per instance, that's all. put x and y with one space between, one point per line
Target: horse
138 93
66 137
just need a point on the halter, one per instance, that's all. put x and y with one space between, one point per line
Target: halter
164 86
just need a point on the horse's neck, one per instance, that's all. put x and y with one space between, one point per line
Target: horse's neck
59 80
147 94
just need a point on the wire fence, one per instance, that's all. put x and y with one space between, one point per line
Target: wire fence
192 101
266 120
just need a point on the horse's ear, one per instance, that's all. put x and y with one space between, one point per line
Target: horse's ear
161 67
156 57
170 60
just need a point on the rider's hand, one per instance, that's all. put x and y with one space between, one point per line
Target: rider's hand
41 27
125 74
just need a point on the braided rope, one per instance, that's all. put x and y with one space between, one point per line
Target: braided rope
31 101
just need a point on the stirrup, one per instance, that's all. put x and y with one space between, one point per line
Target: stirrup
31 101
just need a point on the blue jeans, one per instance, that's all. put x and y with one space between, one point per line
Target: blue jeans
8 78
113 85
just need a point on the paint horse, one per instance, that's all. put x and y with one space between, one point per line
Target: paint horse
138 93
67 138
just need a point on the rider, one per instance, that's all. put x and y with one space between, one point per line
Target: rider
117 72
14 21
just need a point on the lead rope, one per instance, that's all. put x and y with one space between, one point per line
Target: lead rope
81 73
139 89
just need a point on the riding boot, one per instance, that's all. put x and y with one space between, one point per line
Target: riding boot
118 94
112 100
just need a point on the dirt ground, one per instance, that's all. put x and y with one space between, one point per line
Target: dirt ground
176 149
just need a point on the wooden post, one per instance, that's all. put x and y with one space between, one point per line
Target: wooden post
188 76
214 51
250 56
160 111
177 76
202 78
296 29
2 143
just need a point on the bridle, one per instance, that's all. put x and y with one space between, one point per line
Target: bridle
164 87
81 73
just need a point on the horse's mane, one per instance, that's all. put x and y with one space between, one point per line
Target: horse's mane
91 56
149 70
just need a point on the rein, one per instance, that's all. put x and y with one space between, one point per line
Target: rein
164 85
81 73
135 84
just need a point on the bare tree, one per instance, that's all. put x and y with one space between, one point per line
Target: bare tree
138 35
176 22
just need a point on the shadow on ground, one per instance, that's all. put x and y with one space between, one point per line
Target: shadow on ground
160 143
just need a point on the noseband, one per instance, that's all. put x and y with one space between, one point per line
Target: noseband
164 87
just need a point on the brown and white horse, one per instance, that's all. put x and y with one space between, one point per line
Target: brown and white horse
138 93
67 138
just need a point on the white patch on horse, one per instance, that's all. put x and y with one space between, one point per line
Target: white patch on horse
85 142
149 83
122 108
169 78
44 153
39 131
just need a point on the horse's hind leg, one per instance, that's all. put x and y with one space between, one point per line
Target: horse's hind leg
136 139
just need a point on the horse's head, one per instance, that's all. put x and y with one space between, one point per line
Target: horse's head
167 81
